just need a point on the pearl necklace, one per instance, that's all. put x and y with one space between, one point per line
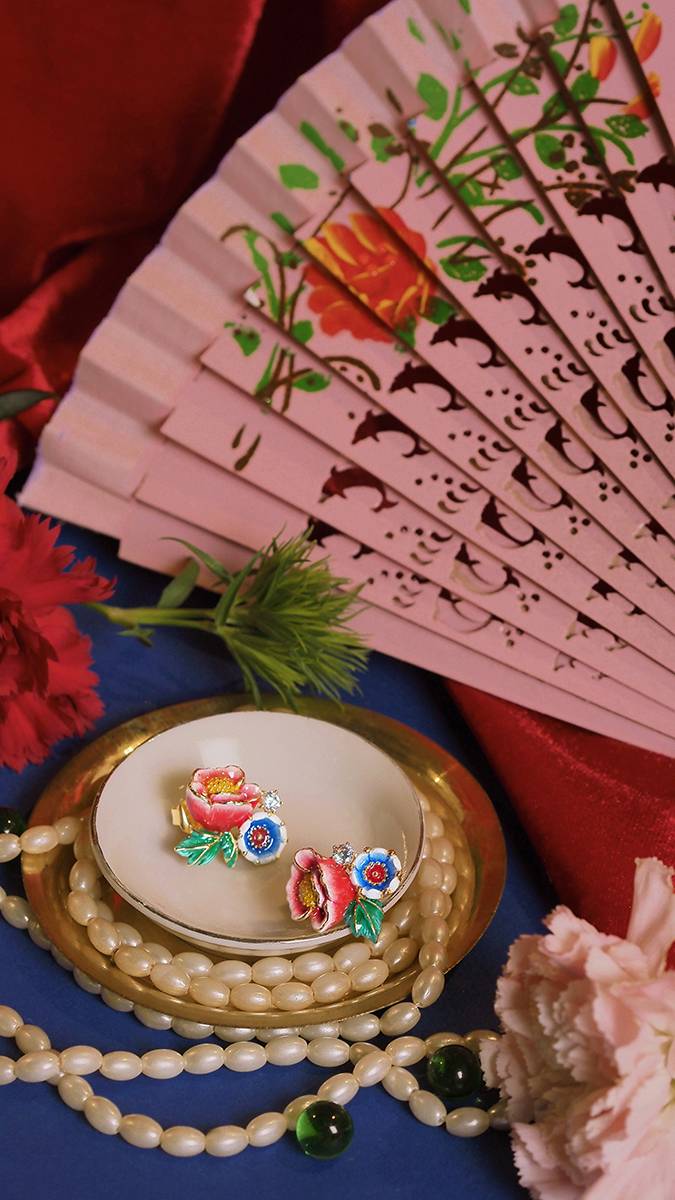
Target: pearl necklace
39 1063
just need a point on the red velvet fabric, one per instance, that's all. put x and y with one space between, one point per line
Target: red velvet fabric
117 111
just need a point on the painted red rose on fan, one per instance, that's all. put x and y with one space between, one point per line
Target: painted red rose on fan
46 682
367 257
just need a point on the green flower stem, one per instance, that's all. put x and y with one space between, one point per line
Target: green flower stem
193 618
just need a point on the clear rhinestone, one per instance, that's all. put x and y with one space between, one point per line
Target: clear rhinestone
272 801
344 854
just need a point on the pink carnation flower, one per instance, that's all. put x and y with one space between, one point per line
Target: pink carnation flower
319 889
218 798
587 1060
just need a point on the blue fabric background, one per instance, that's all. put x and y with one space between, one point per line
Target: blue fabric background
47 1151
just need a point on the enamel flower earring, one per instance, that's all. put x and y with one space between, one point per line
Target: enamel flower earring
224 815
346 889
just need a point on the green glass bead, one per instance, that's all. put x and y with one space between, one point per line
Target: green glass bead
324 1130
454 1071
11 821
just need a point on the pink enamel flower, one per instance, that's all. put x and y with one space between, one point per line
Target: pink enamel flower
220 799
319 889
587 1059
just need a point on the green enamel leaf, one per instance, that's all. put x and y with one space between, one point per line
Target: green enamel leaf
177 590
311 381
363 918
584 87
349 130
434 95
312 134
466 269
282 221
438 310
567 19
627 126
295 175
550 150
228 846
302 331
247 340
415 30
522 85
13 403
507 167
200 848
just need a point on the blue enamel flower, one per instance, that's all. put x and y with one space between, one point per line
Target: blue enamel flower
262 838
377 873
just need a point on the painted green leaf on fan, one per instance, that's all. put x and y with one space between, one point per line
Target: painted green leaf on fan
311 381
282 221
438 311
322 145
295 175
470 190
555 107
584 87
247 340
302 331
466 269
363 918
550 150
507 167
626 125
415 30
567 19
349 130
434 95
522 85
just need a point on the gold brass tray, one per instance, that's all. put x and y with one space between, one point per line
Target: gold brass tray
450 789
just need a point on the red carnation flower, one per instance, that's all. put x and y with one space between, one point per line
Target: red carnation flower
46 684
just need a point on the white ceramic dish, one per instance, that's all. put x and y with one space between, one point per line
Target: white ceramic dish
335 787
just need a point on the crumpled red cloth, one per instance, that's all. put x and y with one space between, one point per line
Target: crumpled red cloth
117 114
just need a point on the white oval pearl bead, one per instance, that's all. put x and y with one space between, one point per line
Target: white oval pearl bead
231 972
224 1141
103 935
162 1064
251 997
128 934
38 839
133 961
324 1029
37 1066
328 1052
82 847
61 959
10 847
428 986
31 1037
369 975
81 1060
270 971
67 829
140 1131
245 1056
194 1030
151 1018
400 1018
443 850
160 954
193 963
266 1129
435 929
498 1116
308 967
433 954
292 1111
292 997
36 933
234 1033
404 914
83 876
86 982
117 1003
449 881
430 874
433 825
372 1068
74 1091
400 1083
360 1028
182 1141
268 1035
202 1060
7 1072
427 1108
170 979
404 1051
467 1122
436 1040
359 1050
121 1065
351 955
287 1050
401 954
10 1021
332 986
433 903
339 1088
210 992
16 911
102 1114
387 935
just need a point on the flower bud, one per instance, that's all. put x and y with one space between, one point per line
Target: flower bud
601 56
648 36
640 105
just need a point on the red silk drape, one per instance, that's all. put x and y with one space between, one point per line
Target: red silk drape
117 111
